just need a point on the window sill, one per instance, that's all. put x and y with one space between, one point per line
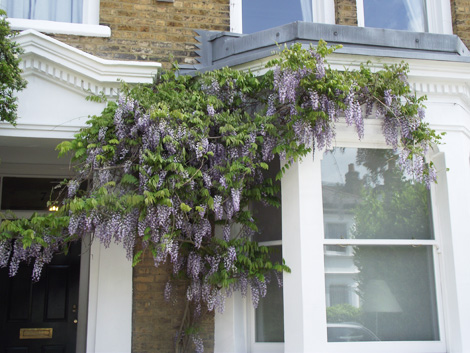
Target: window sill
51 27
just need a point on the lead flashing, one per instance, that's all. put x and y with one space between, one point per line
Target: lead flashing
219 49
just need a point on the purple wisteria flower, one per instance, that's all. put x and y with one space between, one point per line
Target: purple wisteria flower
210 110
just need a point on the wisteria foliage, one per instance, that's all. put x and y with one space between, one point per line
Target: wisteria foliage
177 164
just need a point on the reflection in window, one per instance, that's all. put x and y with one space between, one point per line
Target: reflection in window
259 15
395 293
366 189
339 294
49 10
336 231
407 15
392 296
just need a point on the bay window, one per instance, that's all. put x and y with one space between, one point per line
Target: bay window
379 263
363 241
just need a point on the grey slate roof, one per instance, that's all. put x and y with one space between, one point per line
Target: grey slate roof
220 49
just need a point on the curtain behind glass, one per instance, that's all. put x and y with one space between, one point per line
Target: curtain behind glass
407 15
49 10
415 10
307 13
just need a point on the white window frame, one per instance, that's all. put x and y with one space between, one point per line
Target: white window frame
439 17
304 289
323 12
89 27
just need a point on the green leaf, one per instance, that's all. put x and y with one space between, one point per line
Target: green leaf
184 207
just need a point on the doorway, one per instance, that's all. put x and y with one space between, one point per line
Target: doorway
41 317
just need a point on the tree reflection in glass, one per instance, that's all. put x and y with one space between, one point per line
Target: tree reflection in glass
391 286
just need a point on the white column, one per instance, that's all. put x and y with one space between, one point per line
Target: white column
324 11
304 297
230 334
456 241
110 300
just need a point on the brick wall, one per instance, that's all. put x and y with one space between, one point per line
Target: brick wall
461 19
155 321
346 12
153 30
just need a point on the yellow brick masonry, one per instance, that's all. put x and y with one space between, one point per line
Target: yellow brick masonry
152 30
155 321
345 12
461 19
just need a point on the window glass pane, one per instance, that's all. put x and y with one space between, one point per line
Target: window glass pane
407 15
49 10
365 192
269 315
384 293
263 14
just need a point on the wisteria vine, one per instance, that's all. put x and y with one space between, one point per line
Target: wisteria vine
177 164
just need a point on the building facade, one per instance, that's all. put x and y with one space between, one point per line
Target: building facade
100 42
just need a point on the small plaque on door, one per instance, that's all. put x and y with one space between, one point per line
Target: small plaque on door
35 333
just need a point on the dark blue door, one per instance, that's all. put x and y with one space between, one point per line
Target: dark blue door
41 317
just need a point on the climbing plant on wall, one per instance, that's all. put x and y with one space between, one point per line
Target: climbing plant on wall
178 163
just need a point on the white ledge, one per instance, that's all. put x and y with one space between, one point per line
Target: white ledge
52 27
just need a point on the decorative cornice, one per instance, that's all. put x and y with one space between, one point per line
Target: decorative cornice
67 65
77 74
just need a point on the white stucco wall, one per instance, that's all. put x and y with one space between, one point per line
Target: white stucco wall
109 300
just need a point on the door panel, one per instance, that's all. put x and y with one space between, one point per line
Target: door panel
50 303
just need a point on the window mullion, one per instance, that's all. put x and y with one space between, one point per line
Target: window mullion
360 12
413 242
271 243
